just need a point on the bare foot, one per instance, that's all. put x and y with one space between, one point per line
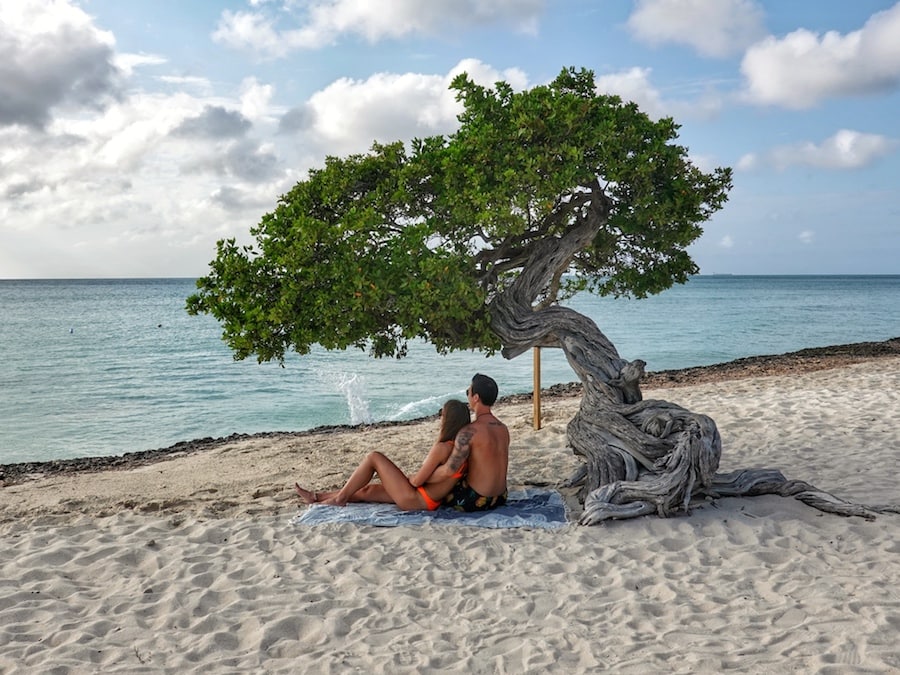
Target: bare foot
306 496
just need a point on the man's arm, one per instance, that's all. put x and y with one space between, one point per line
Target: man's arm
461 449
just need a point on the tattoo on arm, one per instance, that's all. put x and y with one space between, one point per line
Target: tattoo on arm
461 448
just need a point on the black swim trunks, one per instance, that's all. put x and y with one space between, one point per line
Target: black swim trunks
464 498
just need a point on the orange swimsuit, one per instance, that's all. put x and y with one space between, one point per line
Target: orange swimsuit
432 505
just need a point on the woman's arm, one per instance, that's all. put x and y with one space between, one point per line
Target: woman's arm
438 454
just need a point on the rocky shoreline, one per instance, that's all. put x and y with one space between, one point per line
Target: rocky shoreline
804 360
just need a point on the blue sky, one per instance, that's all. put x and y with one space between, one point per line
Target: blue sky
134 135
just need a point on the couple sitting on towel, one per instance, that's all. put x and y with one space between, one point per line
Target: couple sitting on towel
465 468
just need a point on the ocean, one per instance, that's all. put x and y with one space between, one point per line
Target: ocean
105 367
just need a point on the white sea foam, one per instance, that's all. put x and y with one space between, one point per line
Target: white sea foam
352 385
421 407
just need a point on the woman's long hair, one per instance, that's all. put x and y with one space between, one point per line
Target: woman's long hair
454 416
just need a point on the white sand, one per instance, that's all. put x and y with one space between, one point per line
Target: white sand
191 565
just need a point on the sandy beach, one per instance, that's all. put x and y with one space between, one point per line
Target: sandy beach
190 563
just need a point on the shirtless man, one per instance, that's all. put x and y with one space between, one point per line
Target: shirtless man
483 446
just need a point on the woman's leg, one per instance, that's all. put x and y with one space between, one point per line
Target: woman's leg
395 486
373 492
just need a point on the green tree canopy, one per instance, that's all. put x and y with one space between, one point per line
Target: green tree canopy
376 249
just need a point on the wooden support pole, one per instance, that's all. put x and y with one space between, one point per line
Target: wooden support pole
536 396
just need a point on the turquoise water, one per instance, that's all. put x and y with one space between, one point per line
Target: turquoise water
103 367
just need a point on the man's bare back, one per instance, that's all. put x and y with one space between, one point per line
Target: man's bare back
486 443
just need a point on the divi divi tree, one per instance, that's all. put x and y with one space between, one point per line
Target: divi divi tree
472 240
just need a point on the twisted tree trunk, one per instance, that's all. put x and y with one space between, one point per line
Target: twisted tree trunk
639 456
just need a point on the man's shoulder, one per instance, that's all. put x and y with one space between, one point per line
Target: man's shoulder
495 422
486 423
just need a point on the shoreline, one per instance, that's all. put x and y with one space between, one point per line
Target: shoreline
804 360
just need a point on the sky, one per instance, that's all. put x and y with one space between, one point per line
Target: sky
134 135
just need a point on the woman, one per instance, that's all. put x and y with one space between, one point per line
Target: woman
410 494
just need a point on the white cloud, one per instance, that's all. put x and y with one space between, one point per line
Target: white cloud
348 115
161 176
202 84
706 163
327 21
846 149
726 242
252 32
806 236
715 28
119 180
804 68
52 57
126 63
634 85
255 99
487 76
748 162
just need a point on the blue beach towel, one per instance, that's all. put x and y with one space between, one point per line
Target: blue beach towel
531 507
